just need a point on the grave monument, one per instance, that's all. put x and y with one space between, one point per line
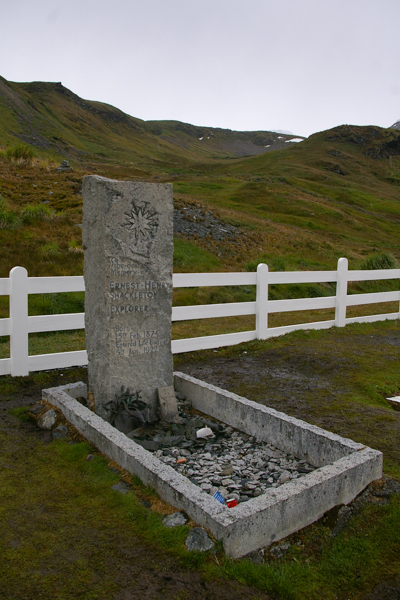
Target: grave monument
128 244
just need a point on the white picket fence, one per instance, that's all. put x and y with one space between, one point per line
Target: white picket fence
19 325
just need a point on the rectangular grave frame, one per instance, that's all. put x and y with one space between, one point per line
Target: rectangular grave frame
344 467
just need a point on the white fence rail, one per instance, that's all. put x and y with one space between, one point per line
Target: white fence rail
19 325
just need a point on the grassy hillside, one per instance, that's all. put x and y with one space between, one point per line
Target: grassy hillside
54 120
300 206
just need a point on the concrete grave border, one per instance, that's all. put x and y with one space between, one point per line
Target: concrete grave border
345 467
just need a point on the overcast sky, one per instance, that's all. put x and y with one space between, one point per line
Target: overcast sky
296 65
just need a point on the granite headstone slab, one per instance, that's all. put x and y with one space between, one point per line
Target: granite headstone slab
128 243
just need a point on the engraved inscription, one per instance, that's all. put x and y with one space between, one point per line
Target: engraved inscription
133 296
129 342
122 267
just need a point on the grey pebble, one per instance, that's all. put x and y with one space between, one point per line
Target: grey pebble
60 432
199 540
121 487
175 519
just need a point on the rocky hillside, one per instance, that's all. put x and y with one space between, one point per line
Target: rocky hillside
51 118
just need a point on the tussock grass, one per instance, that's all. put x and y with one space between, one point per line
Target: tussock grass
21 153
50 249
8 218
385 260
36 212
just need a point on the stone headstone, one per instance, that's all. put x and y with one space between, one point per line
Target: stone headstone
128 244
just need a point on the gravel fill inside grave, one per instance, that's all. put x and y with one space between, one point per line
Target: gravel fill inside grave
231 462
238 465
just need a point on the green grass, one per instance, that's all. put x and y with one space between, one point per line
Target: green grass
36 212
21 413
69 546
20 153
343 568
188 257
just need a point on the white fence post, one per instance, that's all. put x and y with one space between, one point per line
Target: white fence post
341 292
19 321
262 302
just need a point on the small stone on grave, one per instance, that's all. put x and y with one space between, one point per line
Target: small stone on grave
35 409
199 540
227 471
121 487
145 503
60 432
47 420
175 519
147 444
204 432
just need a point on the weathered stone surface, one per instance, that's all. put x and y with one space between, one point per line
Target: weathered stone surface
279 550
147 444
65 166
128 243
35 409
47 420
256 557
199 540
121 487
60 432
168 405
175 519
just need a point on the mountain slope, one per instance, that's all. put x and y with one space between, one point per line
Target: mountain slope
52 118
